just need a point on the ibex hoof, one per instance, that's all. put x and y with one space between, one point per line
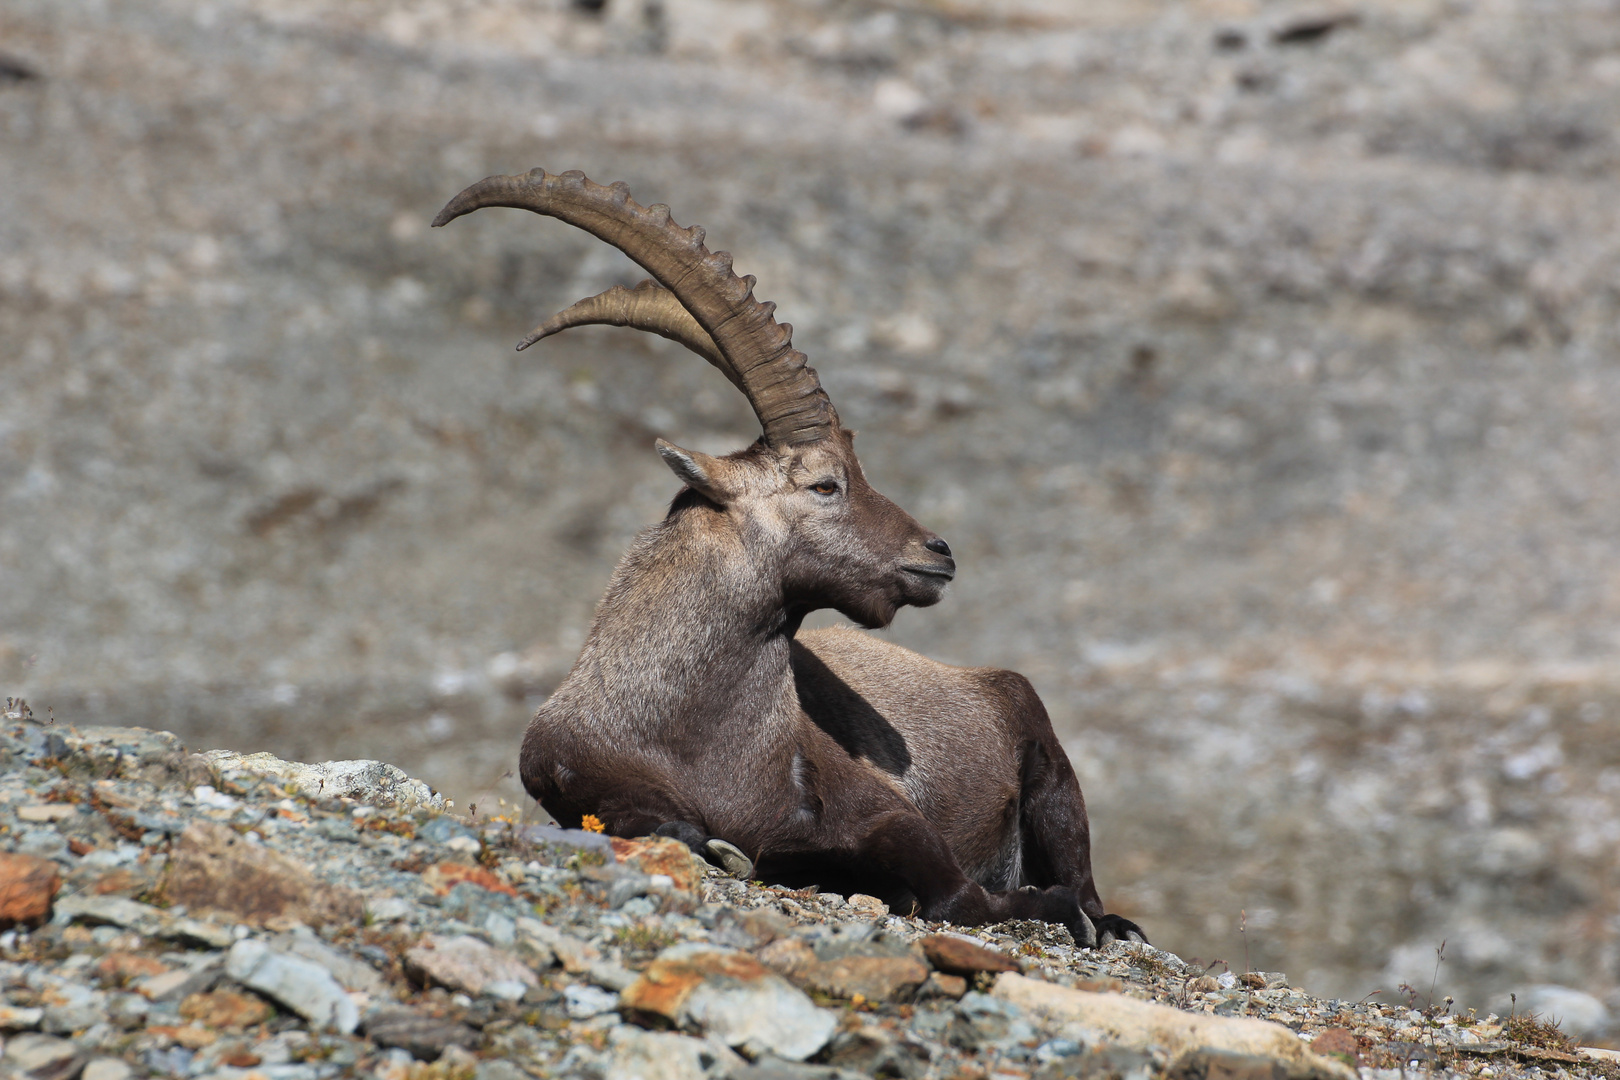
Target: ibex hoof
1111 928
729 858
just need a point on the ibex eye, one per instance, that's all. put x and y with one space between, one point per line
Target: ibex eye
826 487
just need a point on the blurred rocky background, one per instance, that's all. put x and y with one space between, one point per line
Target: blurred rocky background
1259 360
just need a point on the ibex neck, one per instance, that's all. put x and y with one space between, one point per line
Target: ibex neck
692 636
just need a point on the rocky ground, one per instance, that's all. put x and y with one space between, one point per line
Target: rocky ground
214 915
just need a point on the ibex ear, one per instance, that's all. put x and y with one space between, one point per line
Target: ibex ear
698 471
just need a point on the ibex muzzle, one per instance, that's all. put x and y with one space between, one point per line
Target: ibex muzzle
698 709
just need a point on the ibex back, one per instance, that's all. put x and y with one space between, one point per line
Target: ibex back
698 709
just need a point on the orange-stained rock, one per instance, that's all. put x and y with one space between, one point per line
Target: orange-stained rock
225 1008
28 885
465 963
117 881
940 985
443 877
876 978
189 1036
666 984
958 956
123 967
215 869
787 956
730 996
1338 1043
660 855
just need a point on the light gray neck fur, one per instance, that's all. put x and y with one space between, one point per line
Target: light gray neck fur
692 638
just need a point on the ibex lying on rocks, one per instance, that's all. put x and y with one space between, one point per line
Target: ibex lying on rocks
698 710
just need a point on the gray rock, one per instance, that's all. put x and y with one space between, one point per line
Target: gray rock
20 1018
181 983
573 838
127 1011
422 1036
303 986
626 887
585 1001
467 964
365 781
385 909
174 1061
770 1067
639 907
82 1009
498 1070
983 1022
107 1068
500 929
142 918
350 972
634 1054
340 830
442 830
43 1057
611 976
727 994
43 841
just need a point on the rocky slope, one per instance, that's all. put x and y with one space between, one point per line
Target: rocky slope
247 918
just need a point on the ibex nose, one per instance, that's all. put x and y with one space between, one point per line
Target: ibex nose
938 547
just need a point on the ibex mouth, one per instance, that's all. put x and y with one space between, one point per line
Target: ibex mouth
946 572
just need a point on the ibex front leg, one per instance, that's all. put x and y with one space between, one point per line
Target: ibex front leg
903 844
1054 829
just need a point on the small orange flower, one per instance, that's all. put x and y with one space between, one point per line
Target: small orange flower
591 823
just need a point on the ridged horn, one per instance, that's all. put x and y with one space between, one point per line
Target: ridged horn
782 388
649 306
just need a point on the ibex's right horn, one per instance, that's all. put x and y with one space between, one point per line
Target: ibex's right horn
783 389
649 306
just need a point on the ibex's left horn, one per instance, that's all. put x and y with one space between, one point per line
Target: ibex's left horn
649 306
783 389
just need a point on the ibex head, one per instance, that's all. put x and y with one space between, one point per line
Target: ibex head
797 497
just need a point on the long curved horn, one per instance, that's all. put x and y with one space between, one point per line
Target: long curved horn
783 389
649 306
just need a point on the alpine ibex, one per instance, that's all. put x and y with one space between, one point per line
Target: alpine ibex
697 708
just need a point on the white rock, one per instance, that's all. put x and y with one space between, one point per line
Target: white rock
389 909
1138 1025
106 1069
373 782
584 1001
728 995
43 1053
635 1054
303 986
